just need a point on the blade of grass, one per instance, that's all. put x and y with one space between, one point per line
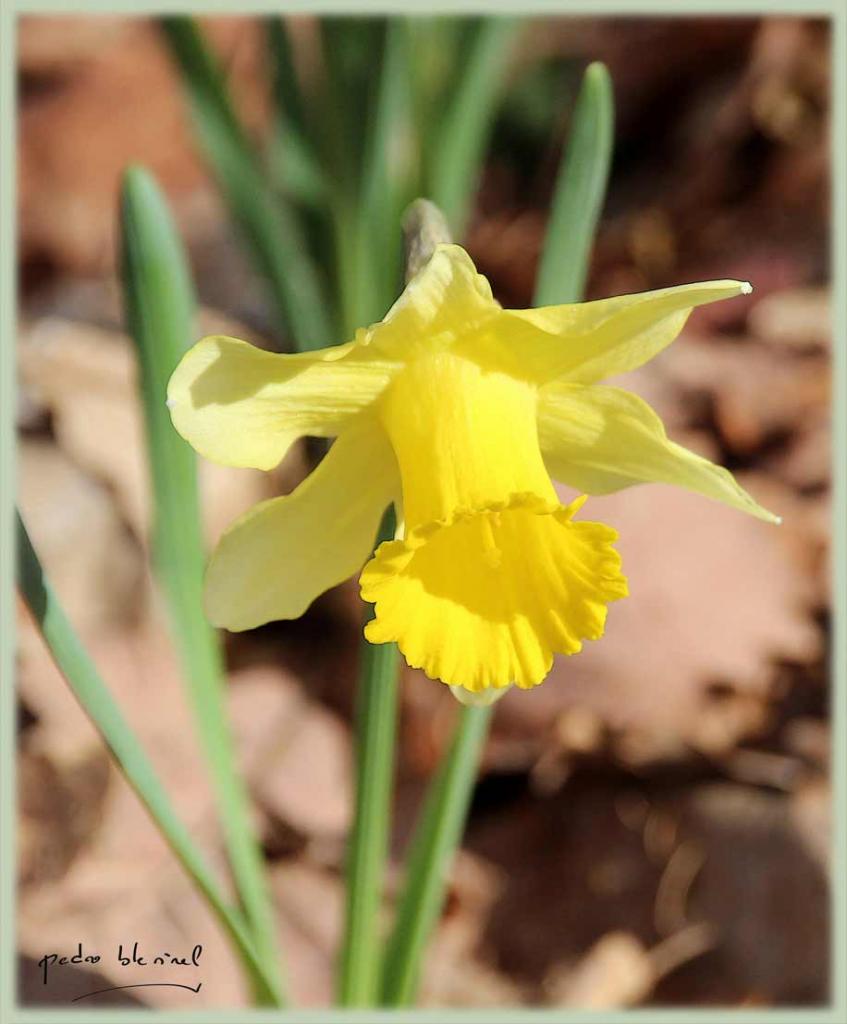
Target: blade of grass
438 831
458 150
360 965
387 179
288 103
92 693
294 160
269 224
295 170
437 834
435 68
160 312
579 194
350 46
351 49
358 979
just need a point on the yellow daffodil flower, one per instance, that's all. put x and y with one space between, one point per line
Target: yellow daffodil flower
462 413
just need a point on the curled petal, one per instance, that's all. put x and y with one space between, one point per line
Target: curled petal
600 439
282 554
589 341
486 599
242 406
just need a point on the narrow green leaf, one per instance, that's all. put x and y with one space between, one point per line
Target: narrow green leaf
350 46
92 693
436 65
436 837
358 982
288 103
580 190
160 312
294 160
390 156
350 50
456 153
295 170
268 223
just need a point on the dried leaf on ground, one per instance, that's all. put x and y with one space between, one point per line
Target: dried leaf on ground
311 901
691 621
94 561
68 206
295 753
582 866
798 318
615 972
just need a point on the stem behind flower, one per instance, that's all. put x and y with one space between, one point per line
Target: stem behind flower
358 981
438 833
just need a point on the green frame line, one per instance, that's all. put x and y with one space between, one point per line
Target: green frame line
12 1014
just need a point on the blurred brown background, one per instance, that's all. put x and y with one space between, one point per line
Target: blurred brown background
652 824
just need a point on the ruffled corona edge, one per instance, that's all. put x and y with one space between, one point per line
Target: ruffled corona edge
486 598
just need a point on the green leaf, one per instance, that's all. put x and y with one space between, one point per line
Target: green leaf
457 151
294 162
350 47
295 171
288 103
436 65
73 661
579 195
351 50
390 156
437 834
269 224
160 311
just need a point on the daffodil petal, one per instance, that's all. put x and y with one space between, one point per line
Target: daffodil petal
600 439
444 302
242 406
275 560
589 341
486 599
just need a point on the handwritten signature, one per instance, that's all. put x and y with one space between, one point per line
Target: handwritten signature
125 956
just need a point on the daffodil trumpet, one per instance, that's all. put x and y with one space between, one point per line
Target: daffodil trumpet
462 413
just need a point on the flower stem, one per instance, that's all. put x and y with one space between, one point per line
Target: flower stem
568 245
442 820
424 227
368 850
435 840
